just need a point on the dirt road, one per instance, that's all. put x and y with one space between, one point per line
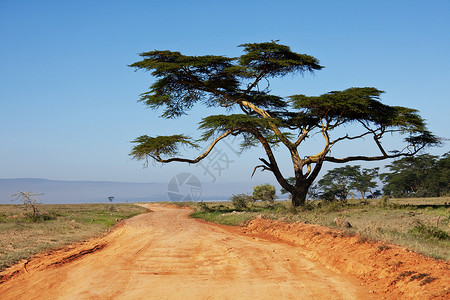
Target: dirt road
165 255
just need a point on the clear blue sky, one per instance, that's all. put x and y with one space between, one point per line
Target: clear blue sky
69 102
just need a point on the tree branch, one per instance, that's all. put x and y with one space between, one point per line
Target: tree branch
199 158
372 158
302 137
273 163
273 127
265 167
350 137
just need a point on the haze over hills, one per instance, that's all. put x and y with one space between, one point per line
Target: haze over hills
59 191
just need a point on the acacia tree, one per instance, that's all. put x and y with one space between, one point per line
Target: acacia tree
265 119
421 176
364 181
338 182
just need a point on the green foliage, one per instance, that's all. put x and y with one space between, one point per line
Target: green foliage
237 123
225 218
421 176
266 119
274 59
43 216
177 89
364 181
265 192
241 201
358 104
160 145
339 182
429 232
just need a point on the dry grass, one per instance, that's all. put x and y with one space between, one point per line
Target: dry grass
20 237
421 224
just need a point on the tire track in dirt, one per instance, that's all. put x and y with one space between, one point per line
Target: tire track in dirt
165 255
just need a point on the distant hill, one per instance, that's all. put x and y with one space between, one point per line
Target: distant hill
58 191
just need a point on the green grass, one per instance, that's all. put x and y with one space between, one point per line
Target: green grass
420 224
62 224
224 218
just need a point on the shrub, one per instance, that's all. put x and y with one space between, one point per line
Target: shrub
240 201
429 232
264 192
30 217
29 200
202 206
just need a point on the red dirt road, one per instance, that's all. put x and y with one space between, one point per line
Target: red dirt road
165 255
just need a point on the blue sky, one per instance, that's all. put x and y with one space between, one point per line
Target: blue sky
69 102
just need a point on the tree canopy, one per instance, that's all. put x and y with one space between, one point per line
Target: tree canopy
338 182
266 119
421 176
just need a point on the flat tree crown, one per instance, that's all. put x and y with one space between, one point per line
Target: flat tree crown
242 83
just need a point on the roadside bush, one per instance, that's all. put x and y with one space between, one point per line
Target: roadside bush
429 232
202 206
265 192
240 201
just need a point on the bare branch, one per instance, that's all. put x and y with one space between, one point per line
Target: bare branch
377 141
350 137
199 158
373 158
263 167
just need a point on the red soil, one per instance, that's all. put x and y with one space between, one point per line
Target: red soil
388 270
166 255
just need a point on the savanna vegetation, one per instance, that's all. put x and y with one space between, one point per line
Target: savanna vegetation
423 175
420 224
27 230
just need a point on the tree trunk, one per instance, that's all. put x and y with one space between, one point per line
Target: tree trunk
363 195
299 195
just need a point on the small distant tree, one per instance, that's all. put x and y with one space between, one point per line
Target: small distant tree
29 200
110 199
264 192
407 176
364 181
337 183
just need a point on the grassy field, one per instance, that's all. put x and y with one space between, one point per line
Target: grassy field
21 236
421 224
